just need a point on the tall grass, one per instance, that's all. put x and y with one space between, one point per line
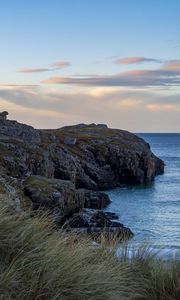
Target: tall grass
37 263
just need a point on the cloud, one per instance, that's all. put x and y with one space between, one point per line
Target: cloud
131 109
135 60
53 67
18 86
165 76
173 65
33 70
60 64
169 107
135 100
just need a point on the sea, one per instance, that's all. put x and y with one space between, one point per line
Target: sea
152 211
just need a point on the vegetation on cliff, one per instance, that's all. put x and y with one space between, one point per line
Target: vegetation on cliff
38 263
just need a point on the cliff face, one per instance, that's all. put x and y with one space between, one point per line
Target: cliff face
100 158
72 163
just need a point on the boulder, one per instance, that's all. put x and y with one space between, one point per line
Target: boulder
3 116
52 193
95 199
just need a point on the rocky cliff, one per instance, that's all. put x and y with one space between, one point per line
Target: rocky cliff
65 169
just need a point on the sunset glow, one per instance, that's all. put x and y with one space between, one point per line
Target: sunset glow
83 61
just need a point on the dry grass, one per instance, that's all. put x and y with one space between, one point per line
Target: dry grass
37 263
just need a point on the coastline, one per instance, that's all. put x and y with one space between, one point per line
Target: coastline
65 170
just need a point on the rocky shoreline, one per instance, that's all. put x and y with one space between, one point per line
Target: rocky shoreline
65 170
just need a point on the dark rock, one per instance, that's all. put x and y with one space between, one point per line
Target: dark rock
103 126
96 223
111 215
13 130
56 196
53 193
70 141
3 116
95 199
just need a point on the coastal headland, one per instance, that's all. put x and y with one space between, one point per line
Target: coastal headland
66 170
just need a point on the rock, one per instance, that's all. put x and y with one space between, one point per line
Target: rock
14 131
56 196
10 197
95 199
51 193
103 158
81 125
111 215
70 141
96 223
3 116
103 126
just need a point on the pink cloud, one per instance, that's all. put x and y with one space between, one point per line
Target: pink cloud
136 72
132 109
60 64
134 60
33 70
173 65
133 78
53 67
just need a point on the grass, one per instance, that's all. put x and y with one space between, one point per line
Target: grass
90 133
37 263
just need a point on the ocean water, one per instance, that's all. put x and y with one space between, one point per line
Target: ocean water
153 212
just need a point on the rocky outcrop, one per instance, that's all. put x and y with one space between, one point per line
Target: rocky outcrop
14 131
64 169
101 158
95 199
96 223
61 196
3 116
54 193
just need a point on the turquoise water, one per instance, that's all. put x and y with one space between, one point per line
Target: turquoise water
153 212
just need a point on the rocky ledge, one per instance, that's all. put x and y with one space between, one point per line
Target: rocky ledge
64 170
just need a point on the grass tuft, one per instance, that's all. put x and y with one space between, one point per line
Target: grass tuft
38 263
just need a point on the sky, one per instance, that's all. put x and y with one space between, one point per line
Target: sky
91 61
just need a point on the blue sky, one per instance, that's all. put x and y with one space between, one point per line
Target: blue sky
73 61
